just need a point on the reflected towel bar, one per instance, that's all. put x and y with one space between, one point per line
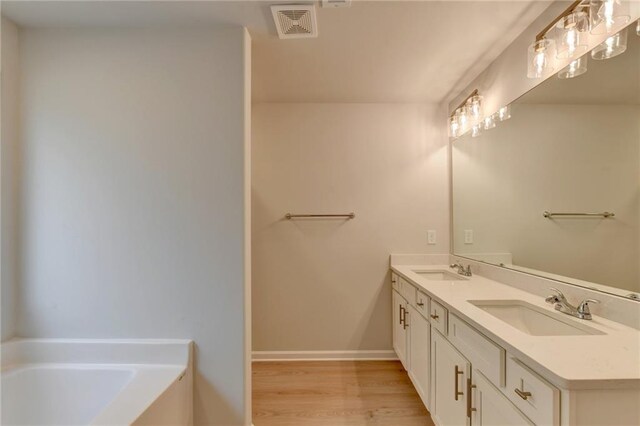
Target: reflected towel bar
603 214
290 216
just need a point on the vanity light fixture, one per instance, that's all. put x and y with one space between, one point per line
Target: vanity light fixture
504 113
453 127
607 15
575 68
638 27
611 47
540 58
474 107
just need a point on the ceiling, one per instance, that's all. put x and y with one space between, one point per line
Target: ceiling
374 51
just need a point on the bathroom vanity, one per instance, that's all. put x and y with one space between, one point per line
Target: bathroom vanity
480 352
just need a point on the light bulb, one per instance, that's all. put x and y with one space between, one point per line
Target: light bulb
540 55
607 15
476 130
453 127
489 122
504 113
571 33
575 68
611 47
474 107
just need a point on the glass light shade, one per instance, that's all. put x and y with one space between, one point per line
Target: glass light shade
607 15
571 38
504 113
489 122
454 127
541 57
612 46
575 68
463 120
474 108
476 130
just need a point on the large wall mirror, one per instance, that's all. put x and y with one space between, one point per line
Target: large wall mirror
531 193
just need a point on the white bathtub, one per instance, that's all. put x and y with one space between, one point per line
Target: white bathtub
96 382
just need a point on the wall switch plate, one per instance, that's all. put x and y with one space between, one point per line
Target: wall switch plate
468 236
431 236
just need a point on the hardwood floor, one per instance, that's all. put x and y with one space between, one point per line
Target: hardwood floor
335 393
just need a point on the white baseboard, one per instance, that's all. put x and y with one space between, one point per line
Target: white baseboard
324 355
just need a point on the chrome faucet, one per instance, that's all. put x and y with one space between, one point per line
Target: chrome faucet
562 304
461 269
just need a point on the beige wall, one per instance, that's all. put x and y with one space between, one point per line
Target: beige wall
324 285
9 154
506 178
133 190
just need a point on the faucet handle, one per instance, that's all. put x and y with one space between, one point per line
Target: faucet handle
583 307
555 298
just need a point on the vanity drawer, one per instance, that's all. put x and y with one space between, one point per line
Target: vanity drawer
422 303
534 396
395 282
438 316
484 354
407 290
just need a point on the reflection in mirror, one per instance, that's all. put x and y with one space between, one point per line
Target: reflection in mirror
570 146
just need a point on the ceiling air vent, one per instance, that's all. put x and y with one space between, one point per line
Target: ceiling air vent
295 21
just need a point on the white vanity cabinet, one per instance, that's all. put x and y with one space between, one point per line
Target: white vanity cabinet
420 354
450 373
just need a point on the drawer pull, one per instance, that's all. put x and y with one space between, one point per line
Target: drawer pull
522 394
434 316
421 304
458 372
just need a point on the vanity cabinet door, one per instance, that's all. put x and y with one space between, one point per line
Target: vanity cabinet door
400 320
491 407
419 354
450 371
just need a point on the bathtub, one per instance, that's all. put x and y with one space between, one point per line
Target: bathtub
96 382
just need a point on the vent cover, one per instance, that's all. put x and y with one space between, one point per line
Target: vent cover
295 21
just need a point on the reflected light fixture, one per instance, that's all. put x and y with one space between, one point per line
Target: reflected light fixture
607 15
571 39
504 113
575 68
489 122
611 47
476 130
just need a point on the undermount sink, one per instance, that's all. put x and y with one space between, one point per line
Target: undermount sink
532 319
438 275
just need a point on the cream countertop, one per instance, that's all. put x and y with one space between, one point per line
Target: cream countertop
607 361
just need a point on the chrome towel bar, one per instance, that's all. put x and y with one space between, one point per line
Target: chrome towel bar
549 215
290 216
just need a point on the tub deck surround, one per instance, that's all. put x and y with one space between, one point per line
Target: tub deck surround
135 374
605 361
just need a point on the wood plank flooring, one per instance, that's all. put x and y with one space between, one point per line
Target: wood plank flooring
335 393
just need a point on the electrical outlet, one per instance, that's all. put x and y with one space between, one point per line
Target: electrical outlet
468 236
431 236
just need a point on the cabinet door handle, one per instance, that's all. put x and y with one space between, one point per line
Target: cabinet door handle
457 392
470 408
404 319
522 394
434 316
420 304
401 314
